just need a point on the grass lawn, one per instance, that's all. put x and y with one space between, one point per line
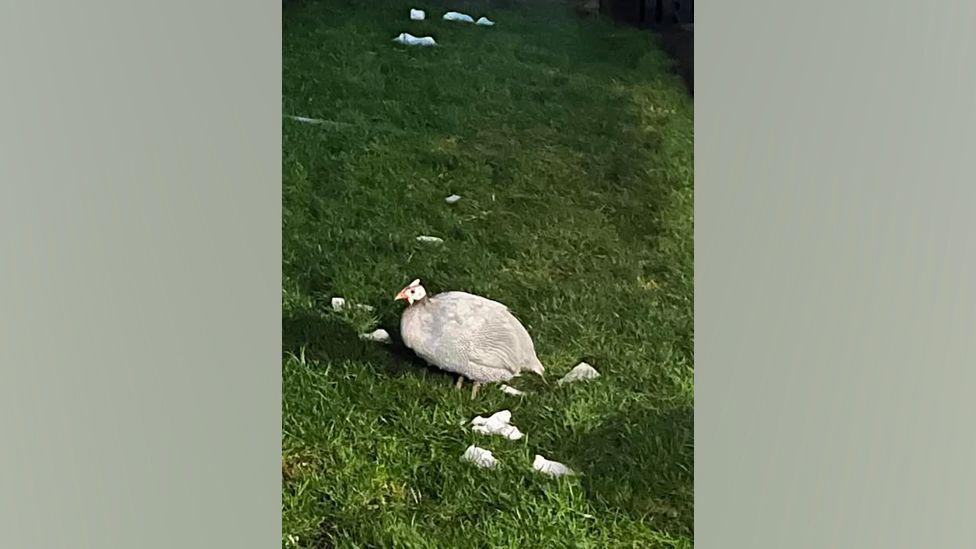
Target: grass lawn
570 142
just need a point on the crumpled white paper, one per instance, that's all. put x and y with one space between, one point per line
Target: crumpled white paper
339 303
509 390
417 15
411 40
455 16
452 199
429 239
551 468
480 457
485 22
307 120
378 335
580 372
498 423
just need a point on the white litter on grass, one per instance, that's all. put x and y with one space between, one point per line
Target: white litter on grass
509 390
307 120
410 40
480 457
498 424
452 199
429 239
417 15
551 468
455 16
582 371
378 335
339 303
485 22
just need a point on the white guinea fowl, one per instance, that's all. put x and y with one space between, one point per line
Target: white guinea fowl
468 335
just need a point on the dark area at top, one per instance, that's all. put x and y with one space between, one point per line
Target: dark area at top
672 22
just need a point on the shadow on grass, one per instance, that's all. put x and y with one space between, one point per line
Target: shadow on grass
326 338
640 462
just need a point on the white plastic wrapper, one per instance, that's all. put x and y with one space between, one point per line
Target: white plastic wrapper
551 468
429 239
455 16
452 199
509 390
306 120
410 40
480 457
580 372
339 303
417 15
498 423
378 335
485 22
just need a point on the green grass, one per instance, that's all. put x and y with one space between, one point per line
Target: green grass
571 144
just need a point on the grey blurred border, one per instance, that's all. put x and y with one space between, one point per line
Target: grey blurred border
140 264
835 273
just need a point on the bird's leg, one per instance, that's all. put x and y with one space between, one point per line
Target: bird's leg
457 386
474 389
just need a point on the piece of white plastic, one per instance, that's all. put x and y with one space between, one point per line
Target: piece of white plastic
551 468
509 390
378 335
410 40
498 423
485 22
339 303
452 199
305 120
417 15
580 372
455 16
480 457
429 239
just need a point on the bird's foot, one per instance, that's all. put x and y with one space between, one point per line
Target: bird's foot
460 381
474 389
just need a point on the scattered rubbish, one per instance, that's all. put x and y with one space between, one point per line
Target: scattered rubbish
379 335
410 40
455 16
551 468
417 15
498 424
485 22
509 390
429 239
582 371
339 303
479 456
307 120
452 199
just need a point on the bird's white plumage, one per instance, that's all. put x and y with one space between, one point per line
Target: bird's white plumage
469 335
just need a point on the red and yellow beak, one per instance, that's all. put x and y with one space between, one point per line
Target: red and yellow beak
402 294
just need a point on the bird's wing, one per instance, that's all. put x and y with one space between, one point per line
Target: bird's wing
497 346
466 331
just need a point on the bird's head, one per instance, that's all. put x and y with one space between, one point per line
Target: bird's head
412 293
